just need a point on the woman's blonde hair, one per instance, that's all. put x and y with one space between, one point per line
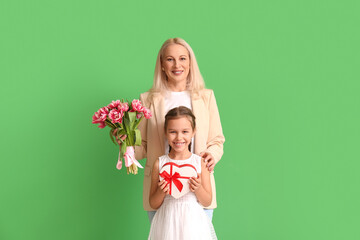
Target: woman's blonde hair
195 82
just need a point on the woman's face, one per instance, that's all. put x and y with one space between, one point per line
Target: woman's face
176 64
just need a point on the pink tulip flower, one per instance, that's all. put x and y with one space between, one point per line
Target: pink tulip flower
147 113
114 104
123 107
116 116
136 106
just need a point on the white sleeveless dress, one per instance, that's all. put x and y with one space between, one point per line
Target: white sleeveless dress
183 218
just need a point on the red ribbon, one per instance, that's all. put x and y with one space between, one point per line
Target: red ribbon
173 178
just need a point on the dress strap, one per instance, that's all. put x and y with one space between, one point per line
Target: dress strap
162 160
196 160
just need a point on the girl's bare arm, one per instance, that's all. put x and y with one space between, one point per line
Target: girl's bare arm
158 189
201 186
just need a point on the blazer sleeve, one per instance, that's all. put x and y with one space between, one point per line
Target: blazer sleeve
140 151
216 137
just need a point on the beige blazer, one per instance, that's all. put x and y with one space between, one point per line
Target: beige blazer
208 137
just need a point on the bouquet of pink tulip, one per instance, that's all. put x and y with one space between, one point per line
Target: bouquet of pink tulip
123 118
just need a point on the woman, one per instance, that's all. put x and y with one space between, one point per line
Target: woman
178 82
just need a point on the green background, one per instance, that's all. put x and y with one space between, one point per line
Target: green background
286 78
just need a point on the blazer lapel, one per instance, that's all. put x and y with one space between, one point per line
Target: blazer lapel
160 118
199 110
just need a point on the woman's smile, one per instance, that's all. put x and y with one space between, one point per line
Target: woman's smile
178 72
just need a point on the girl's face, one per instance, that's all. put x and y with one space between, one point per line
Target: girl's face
176 63
179 133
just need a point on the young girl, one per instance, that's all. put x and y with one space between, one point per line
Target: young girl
182 218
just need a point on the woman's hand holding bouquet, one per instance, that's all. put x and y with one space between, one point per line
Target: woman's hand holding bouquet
123 118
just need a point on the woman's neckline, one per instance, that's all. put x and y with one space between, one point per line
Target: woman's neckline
181 92
179 159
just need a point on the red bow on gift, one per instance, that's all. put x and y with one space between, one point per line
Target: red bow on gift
173 178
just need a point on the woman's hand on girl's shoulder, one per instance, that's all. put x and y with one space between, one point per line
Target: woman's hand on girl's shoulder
209 160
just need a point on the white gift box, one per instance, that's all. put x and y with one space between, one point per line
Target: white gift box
178 177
